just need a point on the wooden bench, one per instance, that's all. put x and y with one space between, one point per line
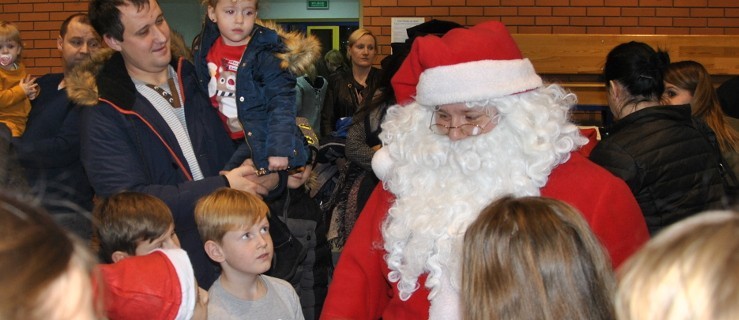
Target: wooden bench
576 60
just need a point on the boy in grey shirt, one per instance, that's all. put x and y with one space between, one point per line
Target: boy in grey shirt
235 232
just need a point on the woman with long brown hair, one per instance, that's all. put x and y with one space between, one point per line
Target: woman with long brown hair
688 82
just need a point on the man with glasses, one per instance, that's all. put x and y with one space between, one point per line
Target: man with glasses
477 124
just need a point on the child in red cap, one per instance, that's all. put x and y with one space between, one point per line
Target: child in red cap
159 285
133 224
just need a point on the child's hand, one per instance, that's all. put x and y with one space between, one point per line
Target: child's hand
277 163
30 87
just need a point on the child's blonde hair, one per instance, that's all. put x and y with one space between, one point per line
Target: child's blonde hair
688 271
213 3
127 218
225 210
355 36
9 32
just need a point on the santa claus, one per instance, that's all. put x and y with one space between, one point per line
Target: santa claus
479 124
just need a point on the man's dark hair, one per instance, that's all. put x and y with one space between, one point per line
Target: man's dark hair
79 17
106 17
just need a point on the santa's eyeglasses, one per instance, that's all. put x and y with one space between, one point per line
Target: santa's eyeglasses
472 128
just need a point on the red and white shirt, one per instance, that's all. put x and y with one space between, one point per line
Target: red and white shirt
223 62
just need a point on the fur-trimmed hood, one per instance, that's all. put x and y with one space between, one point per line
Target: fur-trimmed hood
81 83
302 50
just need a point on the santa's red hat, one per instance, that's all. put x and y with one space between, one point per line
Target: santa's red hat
465 65
159 285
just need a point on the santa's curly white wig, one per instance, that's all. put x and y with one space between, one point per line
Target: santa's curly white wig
441 185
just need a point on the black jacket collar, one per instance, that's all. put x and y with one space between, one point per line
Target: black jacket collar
115 84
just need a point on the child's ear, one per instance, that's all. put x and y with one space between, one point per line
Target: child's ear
212 14
118 256
214 251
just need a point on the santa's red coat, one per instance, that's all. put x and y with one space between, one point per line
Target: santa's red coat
360 288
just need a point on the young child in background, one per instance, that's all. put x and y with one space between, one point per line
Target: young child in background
133 224
249 72
17 88
235 231
304 218
534 258
146 274
158 285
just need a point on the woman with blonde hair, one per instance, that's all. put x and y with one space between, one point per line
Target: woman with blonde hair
45 272
688 82
351 88
688 271
352 94
534 258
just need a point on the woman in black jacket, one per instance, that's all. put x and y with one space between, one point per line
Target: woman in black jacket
660 151
350 89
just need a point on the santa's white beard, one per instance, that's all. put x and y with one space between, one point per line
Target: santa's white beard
441 186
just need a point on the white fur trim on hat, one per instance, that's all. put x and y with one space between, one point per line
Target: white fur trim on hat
183 267
476 81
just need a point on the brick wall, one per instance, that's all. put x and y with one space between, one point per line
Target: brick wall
39 20
564 16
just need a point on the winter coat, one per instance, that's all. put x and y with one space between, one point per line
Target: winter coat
357 180
341 98
309 96
265 91
127 145
670 167
14 104
49 152
304 218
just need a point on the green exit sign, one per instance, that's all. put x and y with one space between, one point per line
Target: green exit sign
318 4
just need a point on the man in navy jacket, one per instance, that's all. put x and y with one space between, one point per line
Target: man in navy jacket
150 128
